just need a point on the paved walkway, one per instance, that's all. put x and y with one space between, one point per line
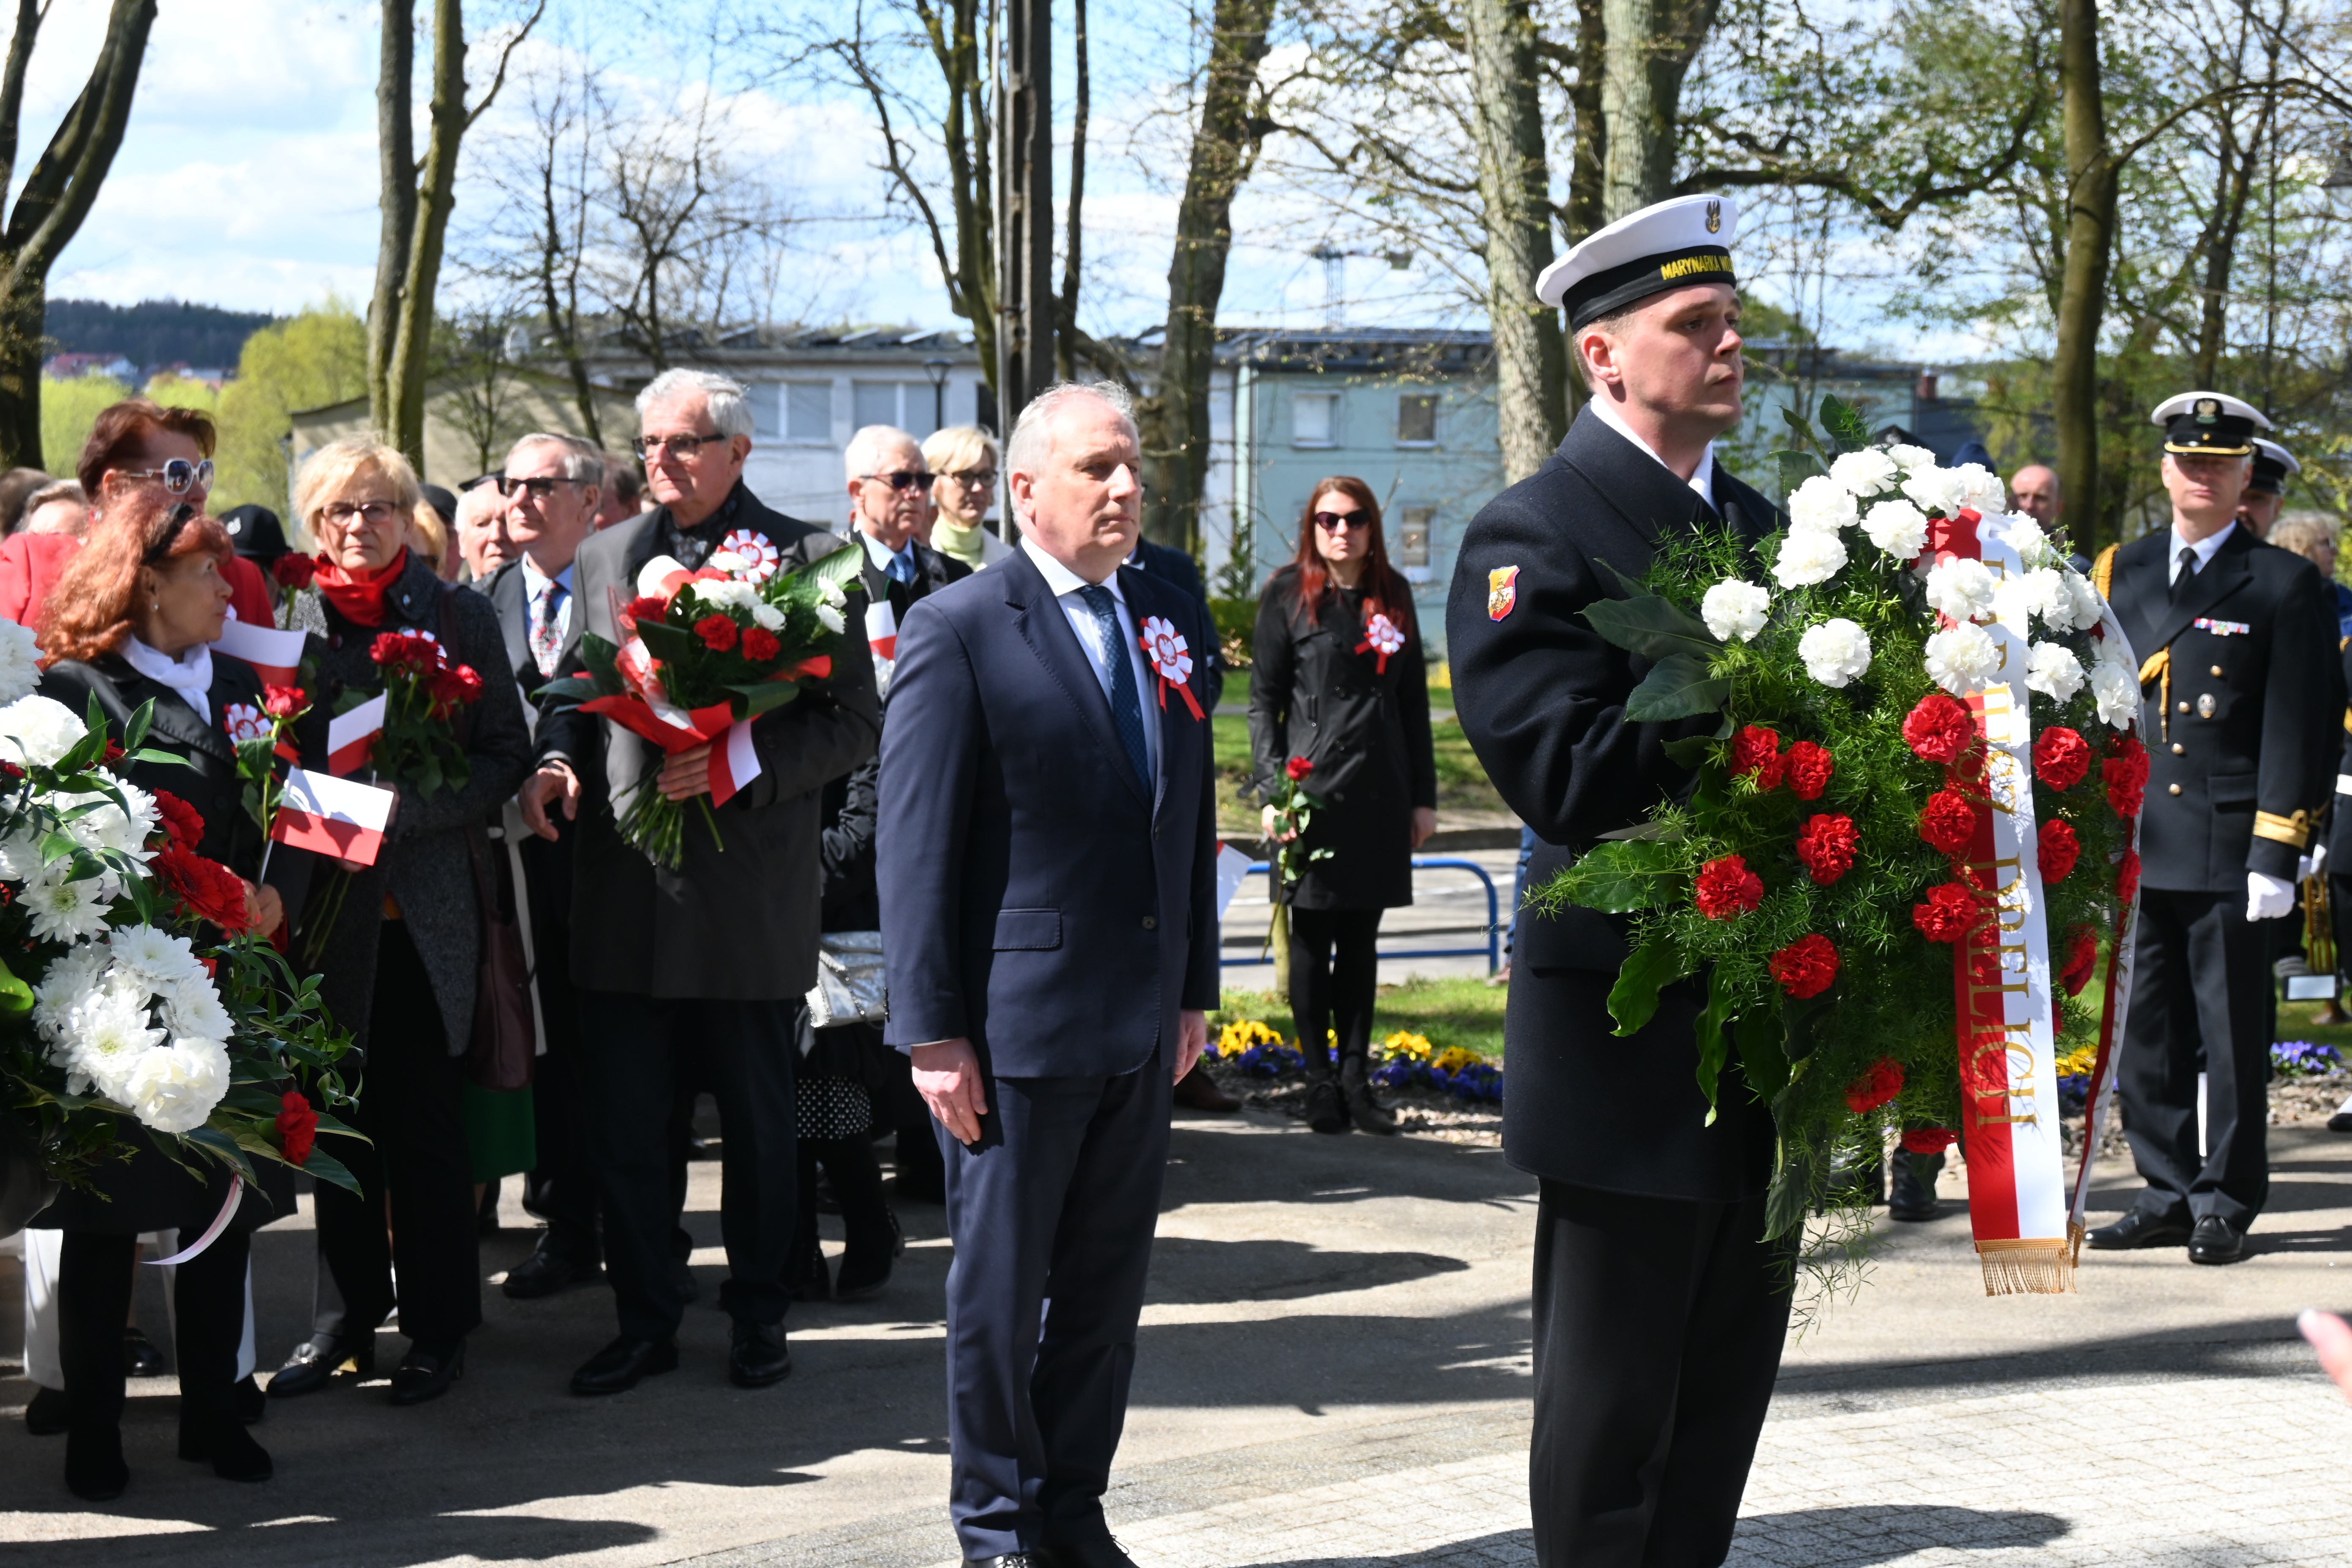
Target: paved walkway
1332 1372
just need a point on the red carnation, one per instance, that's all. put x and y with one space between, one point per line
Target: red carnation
2058 851
646 608
717 632
759 645
1873 1088
1809 770
1940 729
181 823
298 1127
1298 767
2081 957
1826 845
114 754
1950 821
1726 888
1948 913
1926 1139
2127 776
1756 753
1806 966
2127 877
206 888
2060 758
283 701
292 570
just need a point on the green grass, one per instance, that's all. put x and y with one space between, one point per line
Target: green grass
1466 1012
1462 784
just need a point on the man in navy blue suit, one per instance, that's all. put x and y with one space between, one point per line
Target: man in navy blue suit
1048 871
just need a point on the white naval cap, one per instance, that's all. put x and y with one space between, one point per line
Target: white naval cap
1670 246
2212 423
2273 466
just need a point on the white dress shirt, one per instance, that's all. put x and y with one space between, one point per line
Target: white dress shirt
559 608
2206 549
1702 478
1065 584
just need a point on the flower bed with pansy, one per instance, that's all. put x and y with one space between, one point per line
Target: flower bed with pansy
1449 1092
1815 880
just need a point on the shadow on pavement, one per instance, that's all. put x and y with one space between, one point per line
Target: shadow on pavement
1183 1270
2266 1345
1880 1532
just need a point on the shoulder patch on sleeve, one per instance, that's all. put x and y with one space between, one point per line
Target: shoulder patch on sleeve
1502 592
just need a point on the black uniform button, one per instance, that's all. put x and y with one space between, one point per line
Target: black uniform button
1151 923
2172 789
2177 749
2216 670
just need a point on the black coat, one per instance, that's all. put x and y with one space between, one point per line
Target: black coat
2241 766
1542 698
152 1192
1366 730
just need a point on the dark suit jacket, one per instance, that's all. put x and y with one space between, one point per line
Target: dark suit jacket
2250 741
1173 565
1542 698
507 589
1036 897
736 925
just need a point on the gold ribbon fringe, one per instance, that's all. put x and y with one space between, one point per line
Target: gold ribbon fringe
2028 1268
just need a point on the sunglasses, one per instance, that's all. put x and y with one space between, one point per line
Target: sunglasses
540 486
901 480
1340 521
178 475
974 478
647 447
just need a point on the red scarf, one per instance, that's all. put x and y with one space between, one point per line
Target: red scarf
359 596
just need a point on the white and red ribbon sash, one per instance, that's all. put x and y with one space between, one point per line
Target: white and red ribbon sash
2116 1006
1171 659
1381 639
882 629
212 1232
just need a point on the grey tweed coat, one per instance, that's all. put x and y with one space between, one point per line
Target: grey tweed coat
424 865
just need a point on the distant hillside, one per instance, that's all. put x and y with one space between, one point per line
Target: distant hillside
154 331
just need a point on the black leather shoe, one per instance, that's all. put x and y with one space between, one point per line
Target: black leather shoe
758 1356
682 1276
1196 1090
426 1371
228 1446
2342 1120
1326 1111
1085 1551
140 1356
94 1468
623 1365
1008 1560
1910 1198
316 1361
2138 1229
2215 1240
1369 1115
248 1400
546 1273
46 1415
861 1276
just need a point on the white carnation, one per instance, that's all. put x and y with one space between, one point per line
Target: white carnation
1898 527
2116 691
1821 503
829 617
2025 536
1866 472
1809 555
1980 489
2054 672
2046 598
1962 660
2089 608
1835 651
725 595
767 617
830 592
1909 458
38 731
20 669
1961 588
173 1088
1934 490
64 909
1734 610
727 561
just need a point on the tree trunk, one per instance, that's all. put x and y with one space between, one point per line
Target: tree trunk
2233 186
559 283
1224 145
1067 308
1514 187
2083 290
396 144
1646 50
436 194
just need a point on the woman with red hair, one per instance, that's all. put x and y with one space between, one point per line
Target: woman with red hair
1339 680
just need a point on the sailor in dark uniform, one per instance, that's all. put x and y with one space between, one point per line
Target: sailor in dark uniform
2266 486
2238 715
1659 1315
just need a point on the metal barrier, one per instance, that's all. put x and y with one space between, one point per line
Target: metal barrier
1491 947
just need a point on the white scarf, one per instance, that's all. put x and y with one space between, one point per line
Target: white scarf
190 674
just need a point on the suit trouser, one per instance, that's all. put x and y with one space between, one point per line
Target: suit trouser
1658 1328
94 1285
561 1187
44 1250
409 1111
1052 1216
2200 1003
744 1053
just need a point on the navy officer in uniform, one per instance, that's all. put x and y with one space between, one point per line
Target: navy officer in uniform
1659 1309
2238 713
2266 486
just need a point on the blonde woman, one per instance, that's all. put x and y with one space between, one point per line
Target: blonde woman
964 461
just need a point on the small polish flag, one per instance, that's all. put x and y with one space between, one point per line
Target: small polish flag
1233 869
351 737
333 816
882 629
275 656
734 762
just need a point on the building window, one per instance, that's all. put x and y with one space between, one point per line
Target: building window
808 411
873 403
1417 420
1413 536
1314 418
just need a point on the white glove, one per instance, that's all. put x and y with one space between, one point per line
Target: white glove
2313 864
2268 898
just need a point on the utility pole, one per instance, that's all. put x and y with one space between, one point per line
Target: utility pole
1024 269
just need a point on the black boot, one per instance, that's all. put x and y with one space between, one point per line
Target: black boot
1327 1109
208 1297
874 1238
1913 1197
93 1301
1367 1113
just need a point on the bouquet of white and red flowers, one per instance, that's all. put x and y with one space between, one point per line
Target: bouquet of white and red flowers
1911 832
702 655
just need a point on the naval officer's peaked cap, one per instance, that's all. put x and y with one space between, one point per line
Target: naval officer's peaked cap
1670 246
2210 424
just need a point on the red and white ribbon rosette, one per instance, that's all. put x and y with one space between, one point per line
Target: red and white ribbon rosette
760 558
1172 658
243 721
1383 638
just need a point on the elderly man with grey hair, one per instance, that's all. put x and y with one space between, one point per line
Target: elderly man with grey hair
703 967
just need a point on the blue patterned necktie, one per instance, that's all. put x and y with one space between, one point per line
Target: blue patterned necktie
1125 703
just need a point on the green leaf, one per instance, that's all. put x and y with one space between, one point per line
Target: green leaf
1633 1000
134 728
325 1167
664 641
1795 469
154 758
599 655
1714 1049
765 696
1677 687
1790 1194
1757 1035
840 567
1654 627
1801 1022
1692 749
570 689
1844 423
1622 876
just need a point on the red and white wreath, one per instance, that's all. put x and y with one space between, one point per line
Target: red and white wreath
760 558
1171 659
1381 638
243 721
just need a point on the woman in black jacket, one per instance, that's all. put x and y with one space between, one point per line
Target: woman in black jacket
129 624
1339 679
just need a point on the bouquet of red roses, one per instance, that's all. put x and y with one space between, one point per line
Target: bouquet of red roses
702 653
423 690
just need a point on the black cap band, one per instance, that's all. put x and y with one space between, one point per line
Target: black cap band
2269 478
1591 298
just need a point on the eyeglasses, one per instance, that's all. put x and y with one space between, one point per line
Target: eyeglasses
650 446
901 480
974 478
375 513
178 475
540 486
1340 521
